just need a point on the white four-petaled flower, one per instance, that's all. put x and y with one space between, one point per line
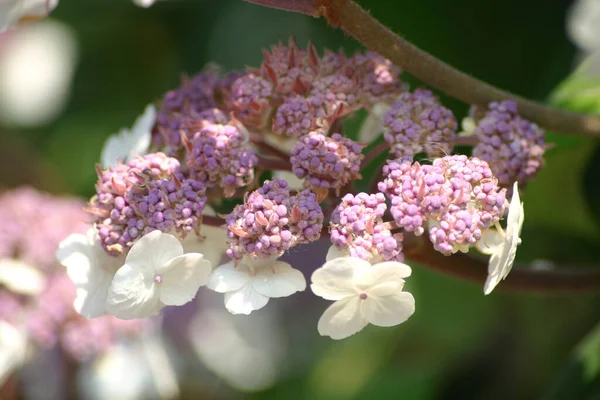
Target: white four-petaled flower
121 147
249 285
501 245
363 294
156 273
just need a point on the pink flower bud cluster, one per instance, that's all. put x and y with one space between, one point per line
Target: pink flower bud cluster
418 122
220 155
455 198
48 316
378 78
357 226
271 221
33 223
326 162
512 146
147 194
195 94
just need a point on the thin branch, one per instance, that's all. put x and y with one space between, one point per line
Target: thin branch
274 164
270 149
521 278
374 152
358 23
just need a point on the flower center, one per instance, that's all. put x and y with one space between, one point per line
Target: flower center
157 278
362 296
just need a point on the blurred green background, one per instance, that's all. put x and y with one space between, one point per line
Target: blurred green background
459 344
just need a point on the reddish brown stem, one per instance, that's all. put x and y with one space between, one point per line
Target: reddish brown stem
358 23
274 164
374 153
270 149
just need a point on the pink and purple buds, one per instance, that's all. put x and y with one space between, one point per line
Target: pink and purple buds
455 198
145 195
379 79
357 227
271 221
250 99
221 156
418 122
326 162
512 146
194 95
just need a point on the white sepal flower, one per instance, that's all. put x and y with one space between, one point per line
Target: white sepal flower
249 285
91 269
13 349
20 277
363 294
156 273
502 246
121 147
15 12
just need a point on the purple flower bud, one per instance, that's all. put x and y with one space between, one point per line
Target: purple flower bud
512 146
418 122
326 162
357 225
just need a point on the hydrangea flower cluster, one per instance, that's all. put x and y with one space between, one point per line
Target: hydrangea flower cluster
146 194
512 146
271 221
418 122
218 156
326 162
155 241
357 227
36 295
456 198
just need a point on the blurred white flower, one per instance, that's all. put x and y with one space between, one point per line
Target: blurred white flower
132 370
20 277
363 294
249 285
16 12
125 145
502 246
13 349
372 126
91 269
293 181
144 3
246 352
583 25
36 70
156 273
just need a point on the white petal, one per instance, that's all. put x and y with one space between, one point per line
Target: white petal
20 277
153 250
13 12
336 278
342 319
245 300
132 294
182 277
126 144
385 272
13 344
373 124
278 280
293 181
90 269
490 242
228 277
503 258
390 310
334 253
